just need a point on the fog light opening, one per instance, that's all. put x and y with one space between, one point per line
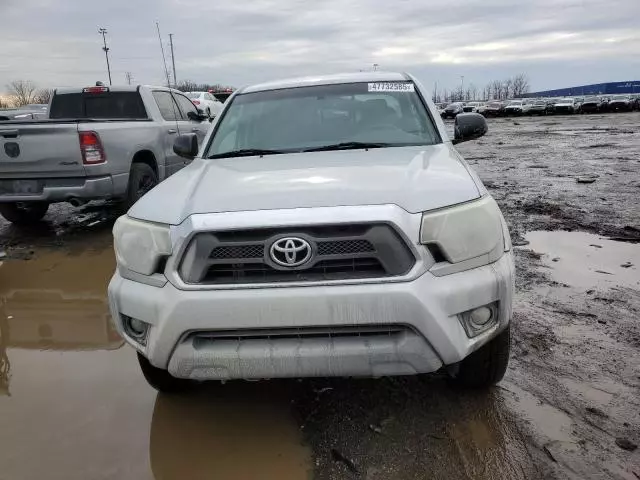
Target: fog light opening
479 319
136 329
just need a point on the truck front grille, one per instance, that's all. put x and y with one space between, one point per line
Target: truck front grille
339 252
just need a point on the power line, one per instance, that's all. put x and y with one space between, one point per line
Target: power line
164 60
173 60
103 31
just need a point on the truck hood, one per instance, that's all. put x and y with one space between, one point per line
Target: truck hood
415 178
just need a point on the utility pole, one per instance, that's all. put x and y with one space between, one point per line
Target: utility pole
173 61
129 77
103 31
462 87
375 67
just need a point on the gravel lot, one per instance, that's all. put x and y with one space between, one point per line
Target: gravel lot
74 406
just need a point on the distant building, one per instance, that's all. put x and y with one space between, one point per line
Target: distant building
610 88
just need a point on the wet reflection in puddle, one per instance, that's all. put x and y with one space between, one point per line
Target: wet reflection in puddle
584 260
73 405
231 432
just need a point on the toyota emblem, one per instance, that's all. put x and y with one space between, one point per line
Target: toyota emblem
290 251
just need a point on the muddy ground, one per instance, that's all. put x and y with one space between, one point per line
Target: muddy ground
74 406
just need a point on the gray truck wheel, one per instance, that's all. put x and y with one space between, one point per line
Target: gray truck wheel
161 379
142 178
24 213
486 367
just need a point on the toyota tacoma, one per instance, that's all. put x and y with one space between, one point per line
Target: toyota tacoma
326 226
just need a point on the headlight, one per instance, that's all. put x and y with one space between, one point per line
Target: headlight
140 245
465 231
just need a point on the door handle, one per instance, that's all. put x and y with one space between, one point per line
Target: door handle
195 129
171 130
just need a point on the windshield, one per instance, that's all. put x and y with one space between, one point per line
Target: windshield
540 102
565 100
193 94
592 99
515 102
303 118
620 97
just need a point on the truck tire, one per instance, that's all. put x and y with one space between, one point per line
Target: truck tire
24 213
161 379
142 178
486 366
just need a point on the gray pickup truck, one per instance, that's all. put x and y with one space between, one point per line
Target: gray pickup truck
98 143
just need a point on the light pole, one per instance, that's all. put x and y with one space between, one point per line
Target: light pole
103 31
462 87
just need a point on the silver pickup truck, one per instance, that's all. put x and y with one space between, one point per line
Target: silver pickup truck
98 143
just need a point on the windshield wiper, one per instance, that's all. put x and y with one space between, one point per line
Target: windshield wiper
347 146
246 152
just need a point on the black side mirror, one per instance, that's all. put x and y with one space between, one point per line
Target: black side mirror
186 145
469 126
197 117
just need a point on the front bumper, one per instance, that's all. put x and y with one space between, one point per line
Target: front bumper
63 189
428 306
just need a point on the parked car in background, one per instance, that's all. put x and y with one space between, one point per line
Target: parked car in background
440 108
517 107
565 105
98 143
620 103
206 102
538 107
407 271
592 105
471 107
453 110
494 108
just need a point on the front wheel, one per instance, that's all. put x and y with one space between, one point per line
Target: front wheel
487 365
24 213
161 379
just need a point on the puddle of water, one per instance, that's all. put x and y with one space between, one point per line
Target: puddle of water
584 260
228 433
589 392
75 401
545 419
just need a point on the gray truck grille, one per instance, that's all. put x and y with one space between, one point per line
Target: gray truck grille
339 252
336 331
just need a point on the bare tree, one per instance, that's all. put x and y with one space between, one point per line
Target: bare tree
43 95
22 91
520 84
191 86
472 92
507 89
496 89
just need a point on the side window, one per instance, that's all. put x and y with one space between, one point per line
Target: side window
209 97
168 108
185 105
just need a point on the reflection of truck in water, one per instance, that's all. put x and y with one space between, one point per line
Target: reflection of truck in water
55 302
54 320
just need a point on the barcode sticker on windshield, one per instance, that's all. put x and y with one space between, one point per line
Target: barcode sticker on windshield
391 87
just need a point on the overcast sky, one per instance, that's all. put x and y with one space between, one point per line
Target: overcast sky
556 42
